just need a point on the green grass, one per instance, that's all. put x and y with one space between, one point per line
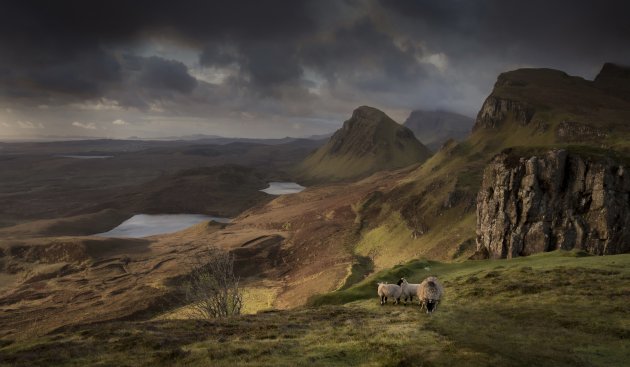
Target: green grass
552 309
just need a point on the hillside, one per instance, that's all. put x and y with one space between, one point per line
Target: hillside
368 142
434 128
432 211
557 309
330 237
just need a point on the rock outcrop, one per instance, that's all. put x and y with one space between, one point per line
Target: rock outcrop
556 200
495 110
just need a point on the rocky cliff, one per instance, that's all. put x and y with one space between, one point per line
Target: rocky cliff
495 110
555 200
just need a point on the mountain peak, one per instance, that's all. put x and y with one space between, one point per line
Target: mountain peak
366 117
368 142
368 112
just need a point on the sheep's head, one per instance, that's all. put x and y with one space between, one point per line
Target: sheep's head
402 281
431 305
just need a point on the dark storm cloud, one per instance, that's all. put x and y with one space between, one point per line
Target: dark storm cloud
362 46
82 76
157 73
358 52
147 79
265 64
271 60
537 31
57 51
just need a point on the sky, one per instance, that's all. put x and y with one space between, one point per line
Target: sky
277 68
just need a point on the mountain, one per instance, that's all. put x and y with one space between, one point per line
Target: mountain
567 162
434 128
462 199
368 142
550 107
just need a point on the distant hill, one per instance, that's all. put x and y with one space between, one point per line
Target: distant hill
224 190
368 142
434 128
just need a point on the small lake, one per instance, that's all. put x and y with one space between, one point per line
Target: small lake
86 156
144 225
283 188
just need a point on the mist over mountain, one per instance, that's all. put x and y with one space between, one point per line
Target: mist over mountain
434 128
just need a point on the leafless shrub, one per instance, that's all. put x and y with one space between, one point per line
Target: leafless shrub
373 254
212 290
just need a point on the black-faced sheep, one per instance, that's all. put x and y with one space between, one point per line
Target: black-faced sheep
409 290
430 292
389 291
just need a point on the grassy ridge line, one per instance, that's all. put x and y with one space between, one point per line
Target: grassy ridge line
417 270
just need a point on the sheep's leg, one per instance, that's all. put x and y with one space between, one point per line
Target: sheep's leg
382 298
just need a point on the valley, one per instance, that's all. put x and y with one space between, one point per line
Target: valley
375 205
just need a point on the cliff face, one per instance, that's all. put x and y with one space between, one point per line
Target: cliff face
495 110
558 200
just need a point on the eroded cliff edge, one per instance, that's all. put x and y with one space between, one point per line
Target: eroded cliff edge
555 200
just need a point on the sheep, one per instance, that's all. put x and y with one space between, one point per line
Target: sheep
429 294
389 290
408 289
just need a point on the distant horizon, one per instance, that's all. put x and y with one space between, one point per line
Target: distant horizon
60 138
14 139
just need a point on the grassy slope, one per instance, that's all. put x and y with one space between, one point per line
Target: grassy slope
555 97
554 309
